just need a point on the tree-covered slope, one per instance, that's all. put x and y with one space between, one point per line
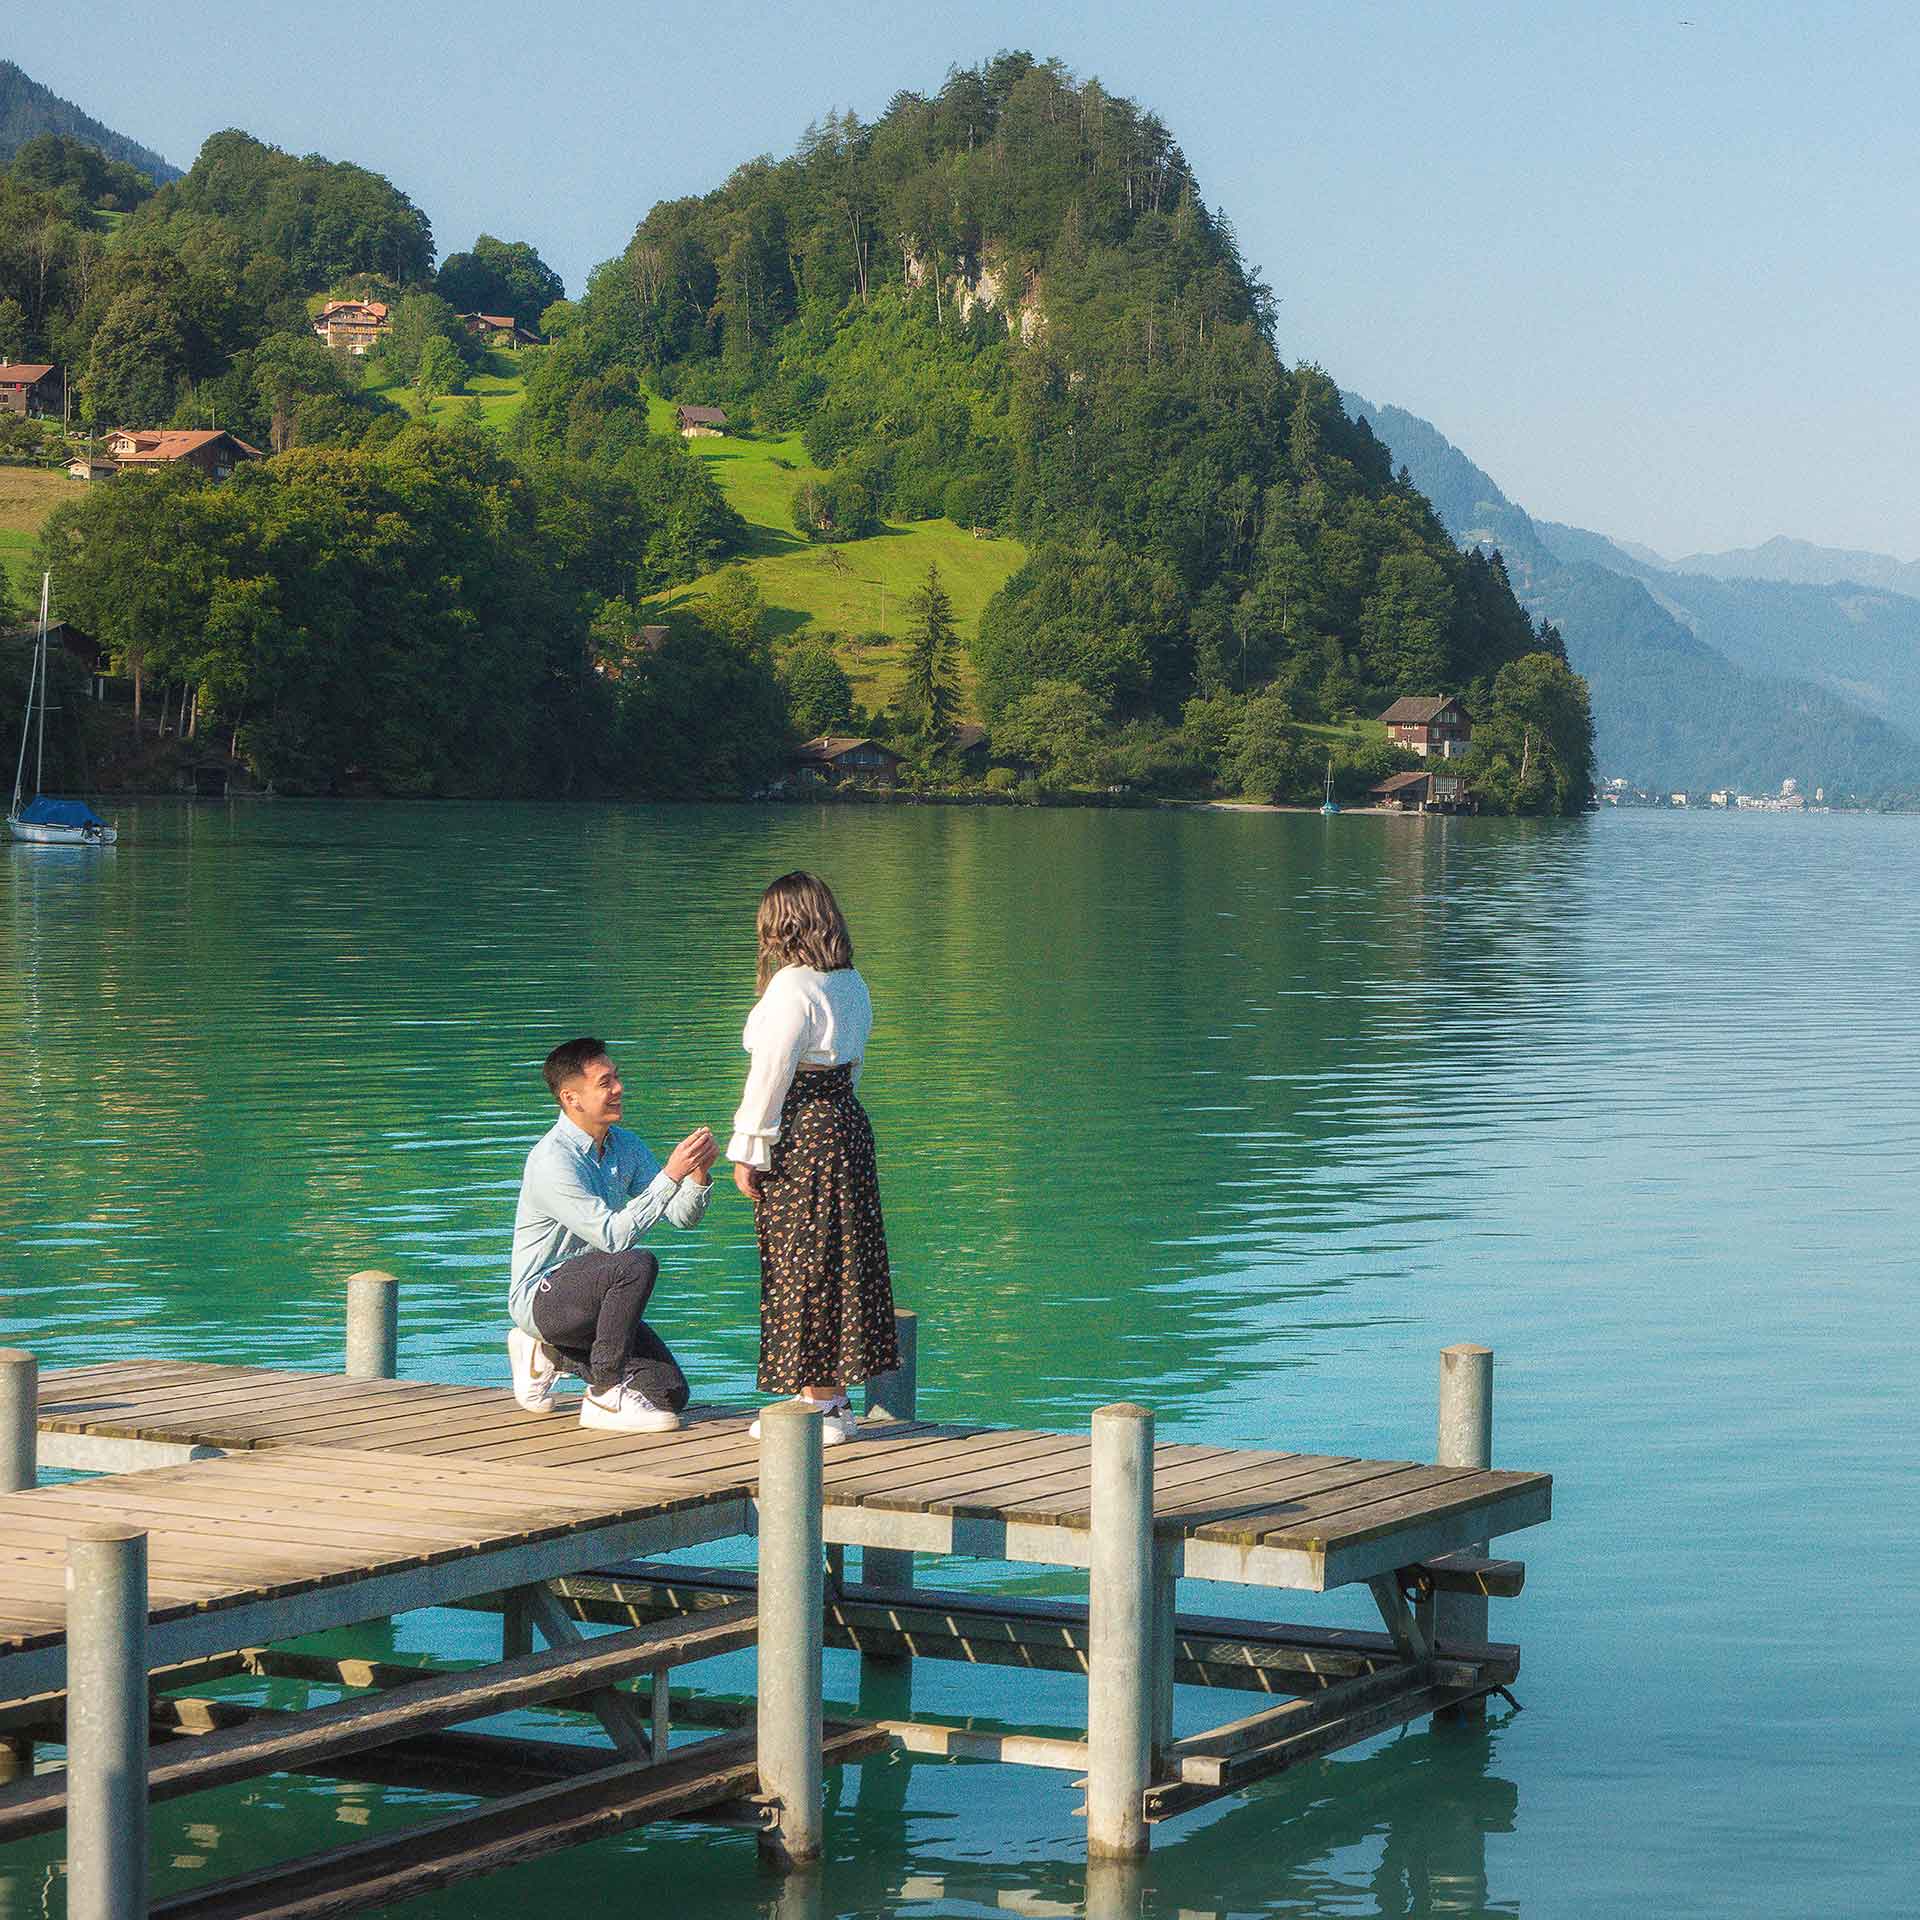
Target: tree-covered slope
1008 304
1671 708
27 110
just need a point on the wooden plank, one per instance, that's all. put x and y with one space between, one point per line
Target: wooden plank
923 1488
1470 1573
1450 1492
454 1847
1329 1492
200 1408
1393 1708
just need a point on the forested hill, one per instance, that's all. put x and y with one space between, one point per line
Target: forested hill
27 110
1009 303
1696 683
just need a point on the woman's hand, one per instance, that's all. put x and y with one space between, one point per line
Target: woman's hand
747 1179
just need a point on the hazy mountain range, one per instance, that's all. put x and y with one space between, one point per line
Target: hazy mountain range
1797 562
1702 678
27 109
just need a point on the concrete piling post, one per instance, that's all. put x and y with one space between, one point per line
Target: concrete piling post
1121 1639
787 1715
19 1405
19 1471
896 1396
107 1724
373 1326
1465 1440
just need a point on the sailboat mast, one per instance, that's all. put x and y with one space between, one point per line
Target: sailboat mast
26 727
40 741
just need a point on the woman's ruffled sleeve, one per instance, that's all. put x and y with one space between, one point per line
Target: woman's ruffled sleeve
776 1036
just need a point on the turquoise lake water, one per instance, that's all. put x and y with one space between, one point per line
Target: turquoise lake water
1241 1116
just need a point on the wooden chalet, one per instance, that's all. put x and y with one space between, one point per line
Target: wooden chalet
847 759
92 466
213 452
1431 724
28 389
1425 790
500 330
354 326
967 741
701 423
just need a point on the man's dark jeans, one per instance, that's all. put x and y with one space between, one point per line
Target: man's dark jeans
590 1311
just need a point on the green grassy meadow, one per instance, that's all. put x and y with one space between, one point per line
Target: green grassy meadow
27 496
499 385
856 590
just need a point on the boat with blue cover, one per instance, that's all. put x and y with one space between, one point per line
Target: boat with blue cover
43 820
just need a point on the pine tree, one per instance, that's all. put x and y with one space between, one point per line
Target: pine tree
931 693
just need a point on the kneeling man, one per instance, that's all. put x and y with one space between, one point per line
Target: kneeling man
580 1280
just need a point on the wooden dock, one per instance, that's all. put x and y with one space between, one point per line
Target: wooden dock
273 1504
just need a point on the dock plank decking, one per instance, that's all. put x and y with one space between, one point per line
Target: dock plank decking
1297 1519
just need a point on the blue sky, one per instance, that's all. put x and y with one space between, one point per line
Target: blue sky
1650 266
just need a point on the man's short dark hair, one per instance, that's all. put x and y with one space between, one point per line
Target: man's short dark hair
571 1059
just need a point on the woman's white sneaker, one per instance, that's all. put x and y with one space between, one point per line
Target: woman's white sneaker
625 1409
839 1424
535 1371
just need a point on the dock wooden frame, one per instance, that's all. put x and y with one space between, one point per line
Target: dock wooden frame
186 1444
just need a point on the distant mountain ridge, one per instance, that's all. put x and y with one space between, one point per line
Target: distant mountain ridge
27 109
1800 563
1696 682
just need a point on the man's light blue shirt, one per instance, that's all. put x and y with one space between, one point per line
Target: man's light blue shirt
575 1198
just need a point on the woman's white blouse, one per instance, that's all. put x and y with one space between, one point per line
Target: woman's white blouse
805 1018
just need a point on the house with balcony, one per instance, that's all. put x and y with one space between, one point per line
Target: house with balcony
1435 726
353 326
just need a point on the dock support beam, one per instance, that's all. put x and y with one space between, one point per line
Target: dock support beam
373 1326
107 1724
19 1472
787 1712
1122 1686
895 1395
1465 1440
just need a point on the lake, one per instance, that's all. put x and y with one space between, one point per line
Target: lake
1242 1116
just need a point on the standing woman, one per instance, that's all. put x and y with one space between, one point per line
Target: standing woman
802 1152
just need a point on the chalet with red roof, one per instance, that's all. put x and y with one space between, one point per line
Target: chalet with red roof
1433 725
214 453
28 389
355 326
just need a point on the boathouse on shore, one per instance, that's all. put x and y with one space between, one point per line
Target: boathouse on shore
1424 791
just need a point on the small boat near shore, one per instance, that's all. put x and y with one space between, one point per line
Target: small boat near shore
45 821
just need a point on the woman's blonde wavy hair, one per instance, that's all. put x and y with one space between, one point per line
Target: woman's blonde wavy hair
800 925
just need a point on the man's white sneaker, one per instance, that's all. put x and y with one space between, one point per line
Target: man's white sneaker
625 1409
534 1371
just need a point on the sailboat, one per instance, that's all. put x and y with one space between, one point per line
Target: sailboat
52 823
1329 804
